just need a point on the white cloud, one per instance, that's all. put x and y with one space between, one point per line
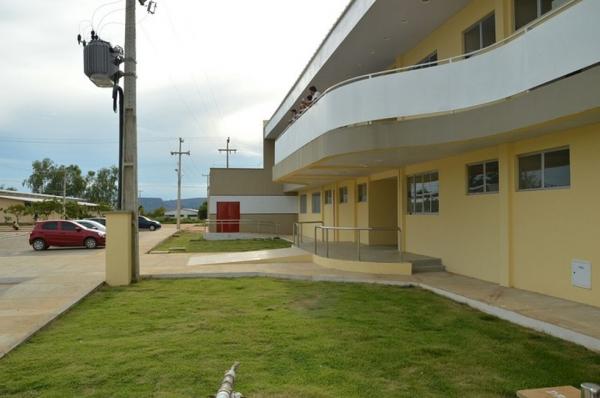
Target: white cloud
207 70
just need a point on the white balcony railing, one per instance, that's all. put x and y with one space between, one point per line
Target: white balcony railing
561 42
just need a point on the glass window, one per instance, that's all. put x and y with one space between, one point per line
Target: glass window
529 10
328 197
362 192
52 225
430 60
482 177
423 193
316 202
480 35
303 204
344 195
549 169
67 226
557 171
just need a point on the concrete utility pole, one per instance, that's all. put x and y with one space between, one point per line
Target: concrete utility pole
130 181
64 196
207 184
179 153
228 151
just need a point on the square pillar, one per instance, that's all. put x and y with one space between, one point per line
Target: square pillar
506 186
118 248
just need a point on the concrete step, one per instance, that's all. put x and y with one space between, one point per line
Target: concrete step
427 265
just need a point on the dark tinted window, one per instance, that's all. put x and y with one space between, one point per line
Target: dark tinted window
480 35
529 10
51 226
67 226
530 171
557 171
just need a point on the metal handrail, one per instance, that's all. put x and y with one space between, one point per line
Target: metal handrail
258 223
357 230
297 230
523 30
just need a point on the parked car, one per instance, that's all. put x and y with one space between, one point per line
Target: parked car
146 223
64 234
92 225
100 220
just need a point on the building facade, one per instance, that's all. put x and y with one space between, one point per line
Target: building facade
471 125
248 201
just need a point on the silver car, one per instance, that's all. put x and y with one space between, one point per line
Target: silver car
92 225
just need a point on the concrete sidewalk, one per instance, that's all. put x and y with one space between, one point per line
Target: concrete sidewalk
574 322
36 287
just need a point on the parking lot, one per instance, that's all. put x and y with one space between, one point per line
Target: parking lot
35 287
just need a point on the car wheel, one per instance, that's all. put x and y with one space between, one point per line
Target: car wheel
152 228
90 243
39 244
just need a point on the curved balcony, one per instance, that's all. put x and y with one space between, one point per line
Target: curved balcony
557 45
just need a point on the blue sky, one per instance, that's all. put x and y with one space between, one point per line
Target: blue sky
207 70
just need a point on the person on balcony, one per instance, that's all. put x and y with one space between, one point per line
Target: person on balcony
315 93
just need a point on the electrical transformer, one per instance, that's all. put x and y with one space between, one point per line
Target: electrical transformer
101 62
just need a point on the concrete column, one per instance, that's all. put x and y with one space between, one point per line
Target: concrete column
402 208
118 248
507 187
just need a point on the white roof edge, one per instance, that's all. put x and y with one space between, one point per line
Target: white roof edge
349 18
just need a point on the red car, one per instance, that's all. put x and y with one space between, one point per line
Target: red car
66 234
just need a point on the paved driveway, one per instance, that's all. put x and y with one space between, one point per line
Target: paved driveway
35 287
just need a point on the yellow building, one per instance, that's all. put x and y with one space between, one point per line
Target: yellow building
473 126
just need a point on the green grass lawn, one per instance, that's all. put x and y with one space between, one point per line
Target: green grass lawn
195 243
293 339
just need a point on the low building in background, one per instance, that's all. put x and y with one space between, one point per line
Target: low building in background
185 213
248 201
11 198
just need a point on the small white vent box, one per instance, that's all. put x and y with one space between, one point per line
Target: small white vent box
581 274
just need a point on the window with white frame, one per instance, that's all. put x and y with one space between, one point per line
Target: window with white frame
316 202
343 194
303 204
480 35
328 199
529 10
423 193
545 170
362 194
482 177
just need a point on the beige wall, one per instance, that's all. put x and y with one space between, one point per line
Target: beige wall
447 39
465 232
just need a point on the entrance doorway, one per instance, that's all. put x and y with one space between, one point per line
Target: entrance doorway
383 211
228 216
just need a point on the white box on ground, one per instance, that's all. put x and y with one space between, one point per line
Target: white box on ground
581 274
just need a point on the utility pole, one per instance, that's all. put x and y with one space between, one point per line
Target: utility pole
64 195
207 184
130 182
228 151
179 153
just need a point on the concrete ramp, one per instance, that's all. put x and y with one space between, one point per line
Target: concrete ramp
291 255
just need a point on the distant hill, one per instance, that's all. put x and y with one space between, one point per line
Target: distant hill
151 204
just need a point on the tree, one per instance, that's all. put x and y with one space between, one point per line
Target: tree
7 188
158 213
46 208
49 178
74 210
16 210
203 211
102 186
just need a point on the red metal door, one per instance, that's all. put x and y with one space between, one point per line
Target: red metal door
228 216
